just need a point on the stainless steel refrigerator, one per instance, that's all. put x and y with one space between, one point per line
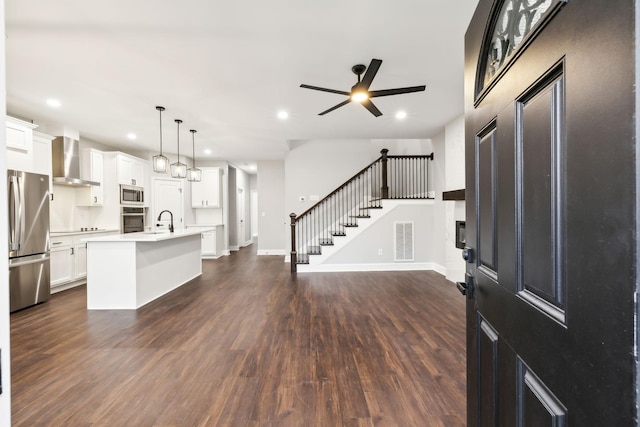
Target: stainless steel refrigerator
29 278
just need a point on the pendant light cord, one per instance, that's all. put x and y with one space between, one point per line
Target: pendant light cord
178 121
160 110
193 146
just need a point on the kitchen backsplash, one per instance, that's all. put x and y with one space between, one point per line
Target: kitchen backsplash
65 215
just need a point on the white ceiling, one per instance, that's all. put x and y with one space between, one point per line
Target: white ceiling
227 67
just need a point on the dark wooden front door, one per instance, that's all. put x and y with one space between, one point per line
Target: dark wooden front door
551 213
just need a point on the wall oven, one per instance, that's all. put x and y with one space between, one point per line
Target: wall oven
131 195
132 219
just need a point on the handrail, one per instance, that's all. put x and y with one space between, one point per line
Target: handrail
353 178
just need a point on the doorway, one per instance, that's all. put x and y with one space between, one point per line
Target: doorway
167 195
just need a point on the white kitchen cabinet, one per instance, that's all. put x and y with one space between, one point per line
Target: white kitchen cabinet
206 193
42 153
61 263
91 169
19 134
131 170
209 244
79 260
68 265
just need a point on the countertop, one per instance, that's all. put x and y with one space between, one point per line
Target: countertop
149 236
76 232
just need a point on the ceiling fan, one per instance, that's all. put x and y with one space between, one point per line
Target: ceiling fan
360 91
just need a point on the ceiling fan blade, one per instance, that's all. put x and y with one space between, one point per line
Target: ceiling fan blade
335 107
398 91
372 69
372 108
323 89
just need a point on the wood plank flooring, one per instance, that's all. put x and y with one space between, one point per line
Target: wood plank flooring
248 344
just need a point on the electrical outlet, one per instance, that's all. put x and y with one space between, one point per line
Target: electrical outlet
379 252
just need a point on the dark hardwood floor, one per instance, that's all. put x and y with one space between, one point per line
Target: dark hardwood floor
248 344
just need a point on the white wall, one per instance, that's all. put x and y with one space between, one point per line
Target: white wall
273 220
5 360
454 210
437 177
375 245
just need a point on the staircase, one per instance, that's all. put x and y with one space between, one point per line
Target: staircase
388 177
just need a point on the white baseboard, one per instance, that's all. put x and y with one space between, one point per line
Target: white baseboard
234 248
247 243
280 252
439 269
66 286
395 266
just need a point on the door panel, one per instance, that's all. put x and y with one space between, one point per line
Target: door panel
487 176
488 367
551 213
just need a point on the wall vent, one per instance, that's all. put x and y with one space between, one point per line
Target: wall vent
403 239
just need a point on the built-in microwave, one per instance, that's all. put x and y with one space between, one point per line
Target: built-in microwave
131 195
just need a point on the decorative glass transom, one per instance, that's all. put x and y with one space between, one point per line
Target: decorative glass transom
514 22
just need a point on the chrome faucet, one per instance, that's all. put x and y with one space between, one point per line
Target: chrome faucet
171 223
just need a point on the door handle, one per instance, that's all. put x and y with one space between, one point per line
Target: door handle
466 288
467 254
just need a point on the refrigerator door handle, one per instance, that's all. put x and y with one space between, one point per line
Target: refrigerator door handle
14 231
31 261
22 212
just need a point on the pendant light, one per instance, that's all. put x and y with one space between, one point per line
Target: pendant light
178 170
160 162
194 174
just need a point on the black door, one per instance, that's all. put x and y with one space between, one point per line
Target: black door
551 213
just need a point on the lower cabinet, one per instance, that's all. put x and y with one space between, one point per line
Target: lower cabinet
68 261
61 261
209 244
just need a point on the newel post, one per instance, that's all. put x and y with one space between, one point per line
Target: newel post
385 186
294 254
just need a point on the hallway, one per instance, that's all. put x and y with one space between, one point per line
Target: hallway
248 344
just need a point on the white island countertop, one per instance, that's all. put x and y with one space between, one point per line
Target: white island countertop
149 236
127 271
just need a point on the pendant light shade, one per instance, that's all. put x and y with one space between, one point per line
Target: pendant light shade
160 162
178 170
194 174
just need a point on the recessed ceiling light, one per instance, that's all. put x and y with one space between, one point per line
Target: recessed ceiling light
283 115
400 115
131 136
207 151
54 103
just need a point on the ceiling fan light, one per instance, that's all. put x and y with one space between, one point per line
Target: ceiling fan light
359 96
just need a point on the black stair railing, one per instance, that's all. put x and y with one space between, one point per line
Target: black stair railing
388 177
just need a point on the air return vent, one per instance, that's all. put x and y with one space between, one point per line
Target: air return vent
403 241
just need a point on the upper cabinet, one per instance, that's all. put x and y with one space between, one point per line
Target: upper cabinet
206 193
91 169
19 134
131 170
27 149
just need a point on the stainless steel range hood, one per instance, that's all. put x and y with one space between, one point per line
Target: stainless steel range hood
65 156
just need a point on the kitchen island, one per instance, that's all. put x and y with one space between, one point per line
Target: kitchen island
127 271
